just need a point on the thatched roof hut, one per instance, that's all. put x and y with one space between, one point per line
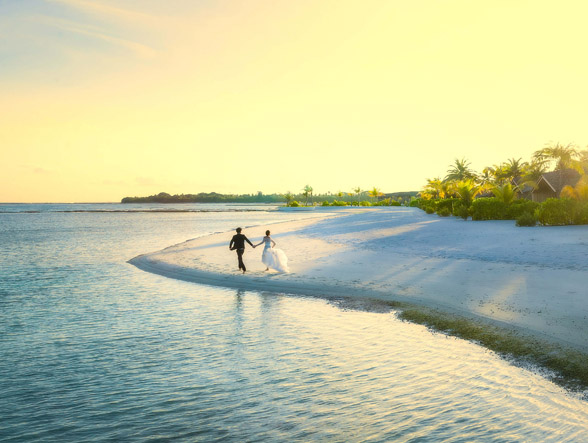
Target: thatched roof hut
550 184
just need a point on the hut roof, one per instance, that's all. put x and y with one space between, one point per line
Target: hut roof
524 188
557 180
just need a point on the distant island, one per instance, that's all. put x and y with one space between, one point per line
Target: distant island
213 197
203 197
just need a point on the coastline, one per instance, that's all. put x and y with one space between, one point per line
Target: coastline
527 281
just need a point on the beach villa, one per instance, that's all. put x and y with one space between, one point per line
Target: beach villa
550 184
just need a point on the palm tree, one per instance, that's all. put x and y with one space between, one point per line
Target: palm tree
435 188
467 191
447 189
459 171
488 175
306 191
375 193
289 197
564 157
505 193
533 171
341 194
305 194
357 191
430 190
513 169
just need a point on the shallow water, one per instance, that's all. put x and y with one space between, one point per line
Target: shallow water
95 350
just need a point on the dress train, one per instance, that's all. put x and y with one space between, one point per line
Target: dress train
275 258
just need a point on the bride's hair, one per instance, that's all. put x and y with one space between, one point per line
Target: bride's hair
267 233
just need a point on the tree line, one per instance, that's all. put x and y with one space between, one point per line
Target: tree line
492 193
356 197
306 195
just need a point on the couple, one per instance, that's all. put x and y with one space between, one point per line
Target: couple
272 257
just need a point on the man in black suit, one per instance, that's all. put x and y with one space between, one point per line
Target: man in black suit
238 243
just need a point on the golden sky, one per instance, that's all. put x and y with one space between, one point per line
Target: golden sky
105 99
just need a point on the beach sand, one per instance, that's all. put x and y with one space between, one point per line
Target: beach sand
532 280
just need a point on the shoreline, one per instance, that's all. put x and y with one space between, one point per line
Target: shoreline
528 282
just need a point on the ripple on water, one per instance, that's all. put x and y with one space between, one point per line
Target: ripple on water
94 349
214 364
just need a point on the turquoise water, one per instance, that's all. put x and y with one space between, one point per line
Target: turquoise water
94 349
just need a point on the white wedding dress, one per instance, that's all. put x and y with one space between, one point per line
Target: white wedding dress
273 257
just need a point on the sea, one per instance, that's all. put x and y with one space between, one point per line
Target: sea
93 349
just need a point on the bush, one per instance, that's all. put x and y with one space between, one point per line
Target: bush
339 203
365 203
526 219
415 203
424 203
294 204
558 211
461 210
581 217
447 203
427 206
443 212
520 207
489 208
387 202
325 203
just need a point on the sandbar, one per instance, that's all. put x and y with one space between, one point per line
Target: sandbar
532 280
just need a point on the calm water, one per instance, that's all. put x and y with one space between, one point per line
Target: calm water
92 349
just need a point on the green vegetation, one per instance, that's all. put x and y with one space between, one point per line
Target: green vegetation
289 197
443 212
375 193
551 212
562 211
203 197
520 207
526 219
577 192
490 208
512 191
570 367
306 196
357 192
307 191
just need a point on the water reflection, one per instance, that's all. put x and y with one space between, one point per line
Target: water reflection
327 373
94 349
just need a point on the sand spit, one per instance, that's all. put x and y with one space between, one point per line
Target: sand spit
531 279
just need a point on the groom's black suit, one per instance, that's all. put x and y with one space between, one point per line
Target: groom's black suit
238 243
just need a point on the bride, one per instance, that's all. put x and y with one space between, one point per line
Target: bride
273 257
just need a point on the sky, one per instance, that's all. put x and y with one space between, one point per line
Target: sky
105 99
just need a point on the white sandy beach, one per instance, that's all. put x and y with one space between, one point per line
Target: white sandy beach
532 279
